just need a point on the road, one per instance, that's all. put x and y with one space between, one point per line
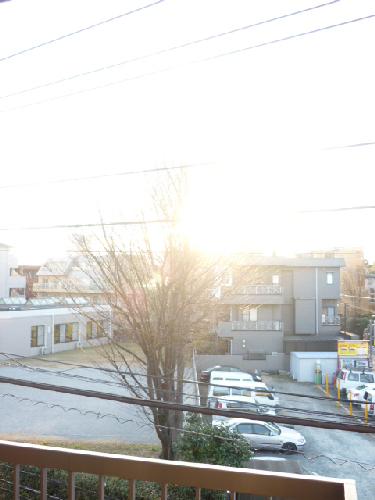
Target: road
27 418
328 452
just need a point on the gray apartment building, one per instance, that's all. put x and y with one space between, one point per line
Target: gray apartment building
271 306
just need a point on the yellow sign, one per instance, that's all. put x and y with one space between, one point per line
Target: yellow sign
353 348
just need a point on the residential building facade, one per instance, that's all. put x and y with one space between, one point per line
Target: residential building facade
45 326
65 279
282 305
12 284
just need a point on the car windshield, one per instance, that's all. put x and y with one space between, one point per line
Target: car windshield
274 428
367 377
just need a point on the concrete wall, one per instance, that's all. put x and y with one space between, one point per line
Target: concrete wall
258 341
272 362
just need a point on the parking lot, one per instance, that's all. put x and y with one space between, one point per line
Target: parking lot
329 452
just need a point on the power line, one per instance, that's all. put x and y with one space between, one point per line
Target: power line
151 403
159 377
81 30
255 406
339 209
198 61
103 176
67 409
348 146
166 50
101 224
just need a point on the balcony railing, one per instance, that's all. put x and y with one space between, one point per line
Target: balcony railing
330 320
185 474
257 325
64 287
261 290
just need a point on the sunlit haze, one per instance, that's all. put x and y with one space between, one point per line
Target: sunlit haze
260 124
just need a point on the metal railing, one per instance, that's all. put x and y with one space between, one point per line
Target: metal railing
64 286
261 290
185 474
272 325
330 320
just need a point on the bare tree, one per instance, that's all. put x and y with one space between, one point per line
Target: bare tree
160 292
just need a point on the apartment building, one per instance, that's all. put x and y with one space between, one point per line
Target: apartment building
65 279
271 306
12 284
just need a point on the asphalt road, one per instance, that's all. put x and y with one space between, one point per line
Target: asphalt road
28 418
332 453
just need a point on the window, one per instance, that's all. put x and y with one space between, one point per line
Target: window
94 329
275 279
65 332
261 430
220 391
329 278
37 336
368 378
249 313
245 428
89 330
353 376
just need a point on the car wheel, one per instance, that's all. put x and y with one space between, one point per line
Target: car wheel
289 447
344 394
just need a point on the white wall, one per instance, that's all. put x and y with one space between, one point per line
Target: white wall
303 369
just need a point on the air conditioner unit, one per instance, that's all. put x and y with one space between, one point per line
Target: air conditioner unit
43 350
78 344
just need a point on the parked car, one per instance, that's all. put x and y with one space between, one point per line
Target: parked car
360 393
266 435
255 390
244 403
205 375
350 379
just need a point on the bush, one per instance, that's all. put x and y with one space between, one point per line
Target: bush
204 443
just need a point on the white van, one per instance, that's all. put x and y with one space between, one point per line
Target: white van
225 379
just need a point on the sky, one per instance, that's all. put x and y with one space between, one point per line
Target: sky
261 124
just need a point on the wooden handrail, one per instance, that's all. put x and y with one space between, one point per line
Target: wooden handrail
179 473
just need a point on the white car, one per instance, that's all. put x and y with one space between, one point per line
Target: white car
360 393
350 379
266 435
369 396
257 390
245 403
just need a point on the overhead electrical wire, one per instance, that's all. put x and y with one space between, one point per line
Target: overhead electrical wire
15 358
81 30
338 209
89 224
106 175
166 50
166 405
188 395
186 64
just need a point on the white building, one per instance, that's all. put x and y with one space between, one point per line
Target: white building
11 283
42 326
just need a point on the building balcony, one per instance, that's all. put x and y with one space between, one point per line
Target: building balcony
63 288
263 325
253 294
261 290
226 328
185 474
331 321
